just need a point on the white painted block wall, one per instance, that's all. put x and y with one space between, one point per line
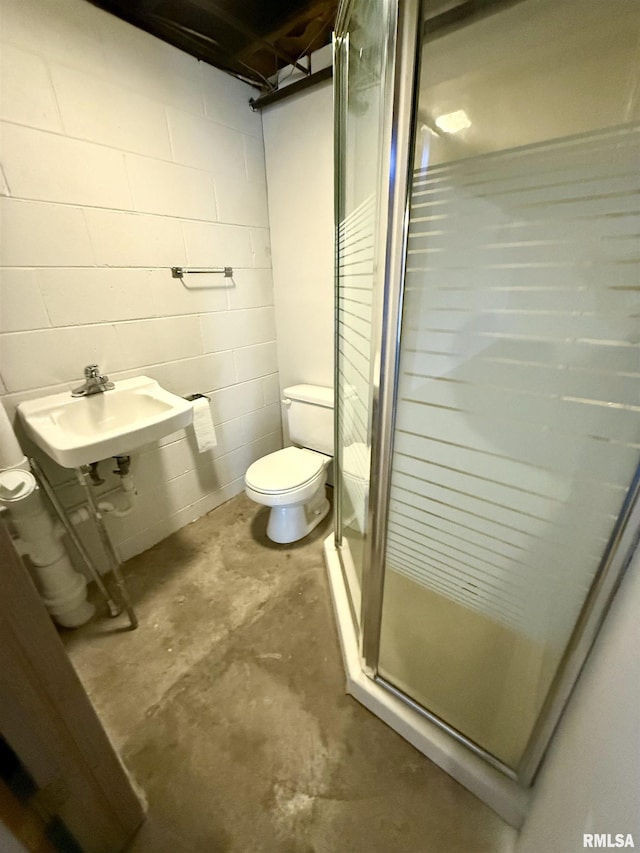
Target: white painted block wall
590 779
298 137
121 157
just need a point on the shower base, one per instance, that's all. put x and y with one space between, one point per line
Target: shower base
503 795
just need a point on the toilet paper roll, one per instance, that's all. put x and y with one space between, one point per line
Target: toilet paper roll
203 425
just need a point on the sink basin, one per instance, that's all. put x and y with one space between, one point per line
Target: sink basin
75 431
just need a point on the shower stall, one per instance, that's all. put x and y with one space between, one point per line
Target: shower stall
487 365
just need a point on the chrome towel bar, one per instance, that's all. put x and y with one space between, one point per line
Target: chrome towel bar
179 272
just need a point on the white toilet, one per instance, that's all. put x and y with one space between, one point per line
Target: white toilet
356 463
291 481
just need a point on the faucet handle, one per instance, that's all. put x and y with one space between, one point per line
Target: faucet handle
94 382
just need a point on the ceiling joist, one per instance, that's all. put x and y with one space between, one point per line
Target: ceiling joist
252 39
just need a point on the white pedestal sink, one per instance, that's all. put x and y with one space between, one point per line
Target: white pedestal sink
76 431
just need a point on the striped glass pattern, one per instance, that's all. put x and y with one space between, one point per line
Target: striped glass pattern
519 400
361 67
518 413
355 294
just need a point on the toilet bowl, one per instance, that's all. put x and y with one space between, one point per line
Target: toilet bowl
290 481
356 463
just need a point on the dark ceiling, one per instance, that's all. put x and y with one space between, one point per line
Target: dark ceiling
251 39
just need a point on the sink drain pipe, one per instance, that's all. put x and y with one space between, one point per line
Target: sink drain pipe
47 488
127 486
84 475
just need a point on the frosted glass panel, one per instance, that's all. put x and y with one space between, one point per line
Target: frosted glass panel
517 431
362 63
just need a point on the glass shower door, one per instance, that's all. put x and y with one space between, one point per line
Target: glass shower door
517 425
363 51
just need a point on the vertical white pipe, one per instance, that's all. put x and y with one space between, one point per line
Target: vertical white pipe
62 589
11 455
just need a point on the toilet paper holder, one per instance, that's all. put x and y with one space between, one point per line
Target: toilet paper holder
203 428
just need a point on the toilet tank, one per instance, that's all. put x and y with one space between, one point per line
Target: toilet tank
309 413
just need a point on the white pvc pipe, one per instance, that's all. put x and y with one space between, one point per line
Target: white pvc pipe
63 590
11 455
128 487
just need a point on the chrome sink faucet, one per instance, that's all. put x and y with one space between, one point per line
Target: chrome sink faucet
94 382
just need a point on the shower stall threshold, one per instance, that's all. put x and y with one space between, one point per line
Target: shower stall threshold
508 799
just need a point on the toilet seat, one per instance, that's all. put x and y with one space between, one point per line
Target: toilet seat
285 471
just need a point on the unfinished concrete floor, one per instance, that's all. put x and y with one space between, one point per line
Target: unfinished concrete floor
228 707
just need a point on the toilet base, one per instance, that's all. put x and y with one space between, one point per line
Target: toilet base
293 522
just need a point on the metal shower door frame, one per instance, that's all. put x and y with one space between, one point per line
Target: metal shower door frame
401 98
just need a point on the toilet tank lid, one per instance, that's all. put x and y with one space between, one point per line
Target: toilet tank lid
317 394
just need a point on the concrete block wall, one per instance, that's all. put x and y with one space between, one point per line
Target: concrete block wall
121 157
298 136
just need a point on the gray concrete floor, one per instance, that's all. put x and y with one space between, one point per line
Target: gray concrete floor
228 707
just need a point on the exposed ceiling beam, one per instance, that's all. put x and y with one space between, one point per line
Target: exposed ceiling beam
292 89
320 12
233 61
212 8
251 39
